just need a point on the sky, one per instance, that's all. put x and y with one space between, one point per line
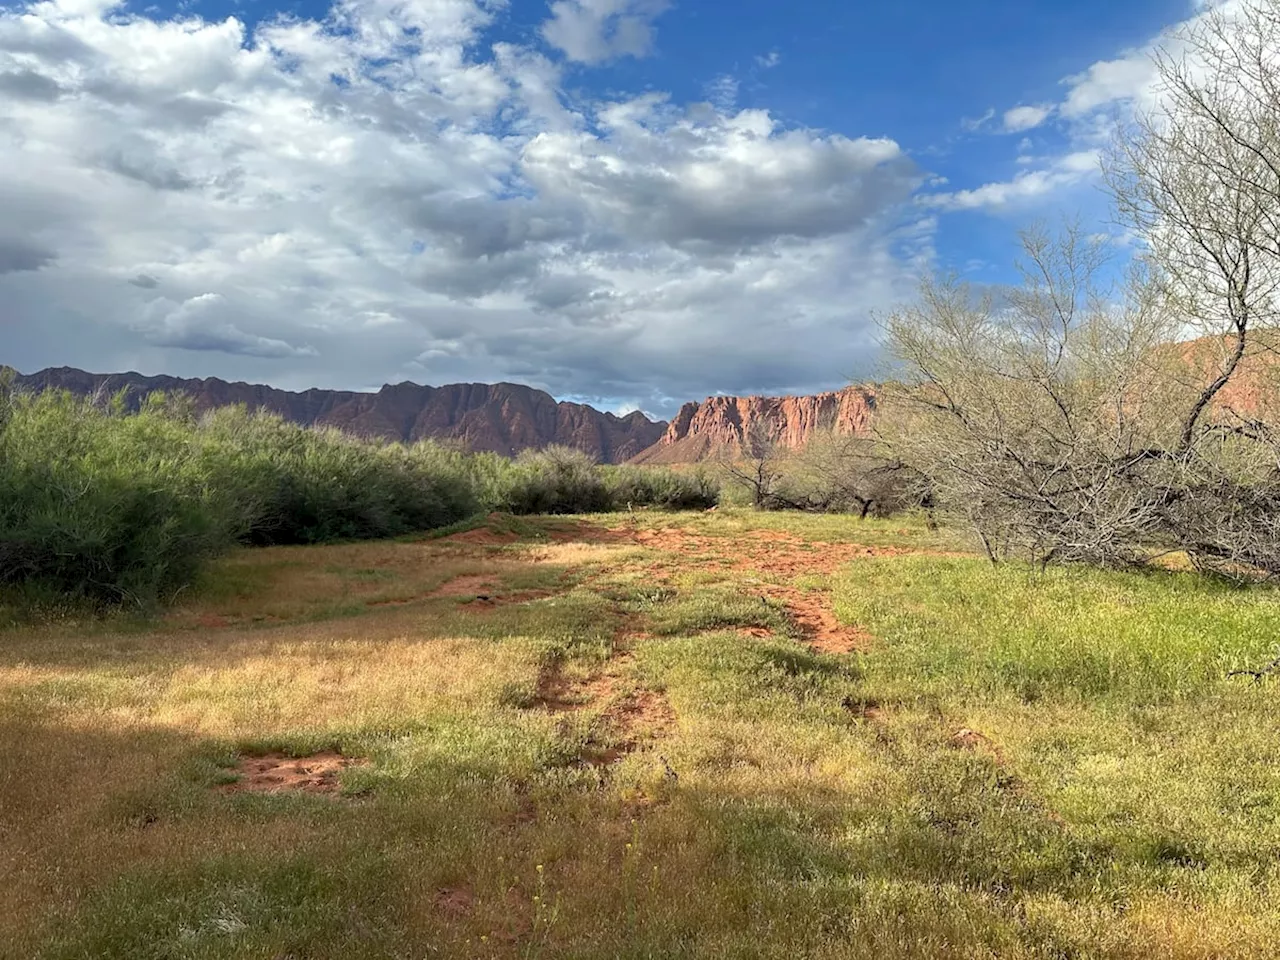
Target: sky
631 203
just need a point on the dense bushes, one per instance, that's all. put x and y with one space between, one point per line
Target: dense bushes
108 507
103 506
310 486
629 486
554 480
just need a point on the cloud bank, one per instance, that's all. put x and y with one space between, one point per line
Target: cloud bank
377 196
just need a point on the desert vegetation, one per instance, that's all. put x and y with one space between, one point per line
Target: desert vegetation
745 733
990 682
101 505
1068 420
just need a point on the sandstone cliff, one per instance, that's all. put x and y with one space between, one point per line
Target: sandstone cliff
501 418
718 425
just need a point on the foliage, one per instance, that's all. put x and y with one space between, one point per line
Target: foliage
303 485
554 480
1064 426
104 507
667 489
831 473
114 507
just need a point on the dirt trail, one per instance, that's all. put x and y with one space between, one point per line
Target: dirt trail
631 717
784 556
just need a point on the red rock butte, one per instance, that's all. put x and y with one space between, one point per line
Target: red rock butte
718 426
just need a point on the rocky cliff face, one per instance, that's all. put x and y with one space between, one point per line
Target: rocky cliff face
501 418
718 426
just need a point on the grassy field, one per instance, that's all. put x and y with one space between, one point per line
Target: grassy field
706 735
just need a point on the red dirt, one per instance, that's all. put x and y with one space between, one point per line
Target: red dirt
556 693
278 773
631 718
468 586
819 626
644 711
458 901
966 739
783 555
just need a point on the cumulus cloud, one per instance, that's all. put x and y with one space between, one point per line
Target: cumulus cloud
203 323
1023 118
373 196
1027 186
1110 81
593 31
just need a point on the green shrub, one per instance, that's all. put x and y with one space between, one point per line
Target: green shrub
117 507
304 485
552 480
661 487
105 507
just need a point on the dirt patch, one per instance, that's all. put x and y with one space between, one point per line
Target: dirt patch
966 739
557 693
278 773
455 901
643 713
631 717
479 586
483 537
632 721
819 627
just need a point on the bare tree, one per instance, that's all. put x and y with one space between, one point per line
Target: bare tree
1023 406
1067 422
759 468
844 473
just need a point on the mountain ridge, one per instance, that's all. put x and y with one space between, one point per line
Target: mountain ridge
505 417
500 418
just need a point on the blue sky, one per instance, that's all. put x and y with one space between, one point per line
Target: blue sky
632 202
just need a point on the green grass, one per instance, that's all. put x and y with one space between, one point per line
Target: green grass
767 801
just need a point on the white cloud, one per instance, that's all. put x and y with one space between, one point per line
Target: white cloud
974 124
769 60
1026 186
1023 118
320 203
1110 81
593 31
722 92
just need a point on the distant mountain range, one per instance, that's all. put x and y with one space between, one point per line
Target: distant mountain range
506 418
500 418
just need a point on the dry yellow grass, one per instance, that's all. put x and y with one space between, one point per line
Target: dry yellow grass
621 751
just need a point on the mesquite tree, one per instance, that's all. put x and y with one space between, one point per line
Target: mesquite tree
1068 422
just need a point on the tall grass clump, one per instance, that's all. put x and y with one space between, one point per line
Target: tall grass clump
101 507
